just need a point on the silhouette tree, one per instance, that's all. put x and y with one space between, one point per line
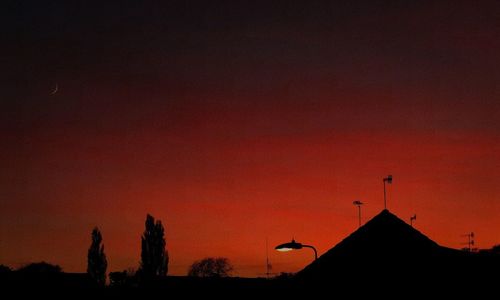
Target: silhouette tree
40 267
154 257
211 267
96 259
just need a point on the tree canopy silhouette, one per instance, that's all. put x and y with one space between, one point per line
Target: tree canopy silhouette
40 267
96 259
154 257
211 267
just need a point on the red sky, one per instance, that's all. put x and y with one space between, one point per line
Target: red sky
233 123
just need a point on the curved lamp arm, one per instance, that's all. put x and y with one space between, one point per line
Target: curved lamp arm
315 252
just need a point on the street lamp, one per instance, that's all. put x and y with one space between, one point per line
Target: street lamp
358 204
293 245
388 179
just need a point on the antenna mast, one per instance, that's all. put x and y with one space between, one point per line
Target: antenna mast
413 218
268 265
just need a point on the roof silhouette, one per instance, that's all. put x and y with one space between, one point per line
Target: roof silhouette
384 242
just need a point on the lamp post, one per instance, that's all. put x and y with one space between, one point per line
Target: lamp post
388 179
358 204
293 245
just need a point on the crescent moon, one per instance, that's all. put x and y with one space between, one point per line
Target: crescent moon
54 91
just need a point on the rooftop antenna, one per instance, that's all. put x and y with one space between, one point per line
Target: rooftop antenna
413 218
388 179
358 204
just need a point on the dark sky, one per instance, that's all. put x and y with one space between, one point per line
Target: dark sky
284 50
232 115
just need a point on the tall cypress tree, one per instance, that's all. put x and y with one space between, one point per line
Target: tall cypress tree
96 259
154 257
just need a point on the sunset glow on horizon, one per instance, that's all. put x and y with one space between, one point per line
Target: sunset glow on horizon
233 125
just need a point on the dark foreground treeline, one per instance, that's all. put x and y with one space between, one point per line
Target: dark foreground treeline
473 275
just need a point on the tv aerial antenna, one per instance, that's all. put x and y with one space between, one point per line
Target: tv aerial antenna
413 218
358 204
269 267
470 241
